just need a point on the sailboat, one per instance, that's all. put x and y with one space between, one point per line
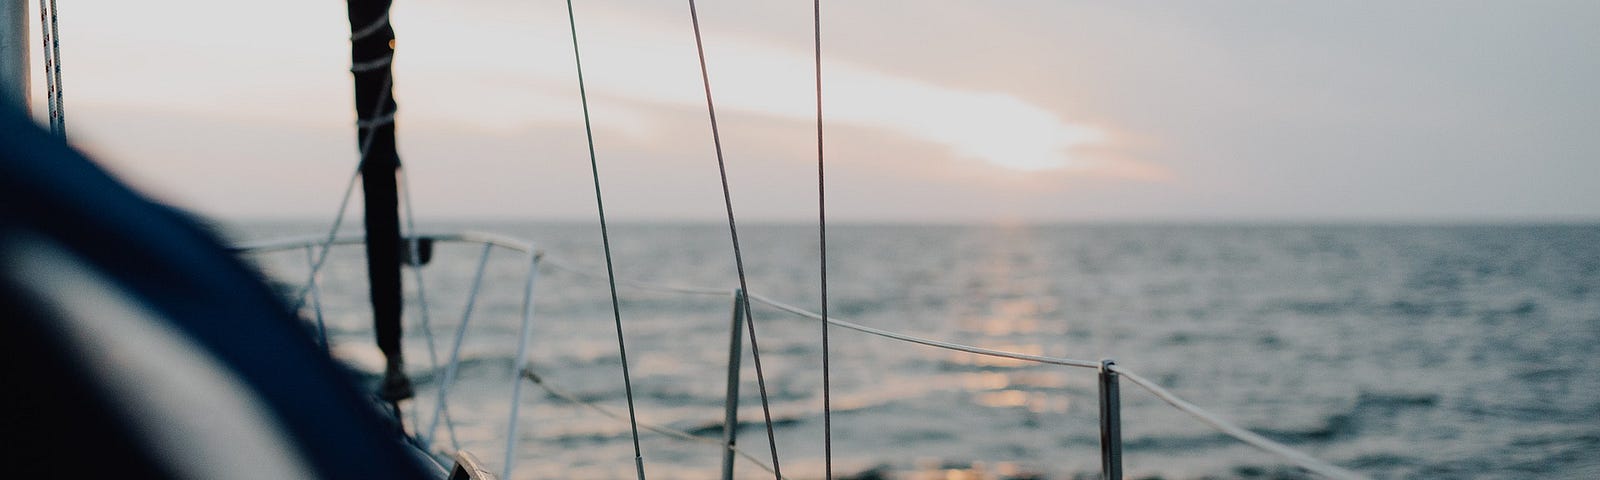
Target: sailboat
154 346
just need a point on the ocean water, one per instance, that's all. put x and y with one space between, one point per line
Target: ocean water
1396 351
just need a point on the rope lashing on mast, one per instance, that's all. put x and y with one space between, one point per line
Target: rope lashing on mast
50 36
371 65
605 241
371 28
383 62
371 54
733 232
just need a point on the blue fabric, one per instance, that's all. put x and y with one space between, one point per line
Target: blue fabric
182 272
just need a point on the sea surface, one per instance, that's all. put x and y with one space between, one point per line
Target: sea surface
1397 351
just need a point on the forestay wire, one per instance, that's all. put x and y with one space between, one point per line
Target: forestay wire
344 202
422 303
605 241
733 231
373 121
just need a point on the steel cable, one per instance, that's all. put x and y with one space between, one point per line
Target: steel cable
605 241
733 232
660 429
1228 428
822 252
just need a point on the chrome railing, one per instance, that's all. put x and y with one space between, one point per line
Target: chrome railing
1109 372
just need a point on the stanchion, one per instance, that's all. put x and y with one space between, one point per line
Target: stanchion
1110 423
730 418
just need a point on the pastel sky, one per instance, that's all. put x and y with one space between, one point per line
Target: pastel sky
941 111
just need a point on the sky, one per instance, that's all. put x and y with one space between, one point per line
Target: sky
936 111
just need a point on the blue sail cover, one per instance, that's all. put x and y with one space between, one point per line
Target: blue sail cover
64 418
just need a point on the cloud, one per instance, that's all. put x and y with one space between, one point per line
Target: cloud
642 61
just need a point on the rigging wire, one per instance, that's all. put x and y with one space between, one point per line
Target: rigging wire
835 321
368 124
454 364
376 119
822 249
1206 417
733 231
327 243
605 241
316 302
1210 419
1255 440
413 241
531 376
1068 362
349 189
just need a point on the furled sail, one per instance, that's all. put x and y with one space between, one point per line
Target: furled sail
371 54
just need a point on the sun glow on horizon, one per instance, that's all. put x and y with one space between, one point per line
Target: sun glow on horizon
648 65
634 66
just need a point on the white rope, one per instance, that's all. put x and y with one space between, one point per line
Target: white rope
60 126
371 28
373 64
663 430
51 51
1228 428
369 123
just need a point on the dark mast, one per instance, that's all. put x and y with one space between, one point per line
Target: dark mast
371 54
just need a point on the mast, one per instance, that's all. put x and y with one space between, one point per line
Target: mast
371 53
14 79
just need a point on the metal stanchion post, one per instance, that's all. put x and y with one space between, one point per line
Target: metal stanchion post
730 419
1110 423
